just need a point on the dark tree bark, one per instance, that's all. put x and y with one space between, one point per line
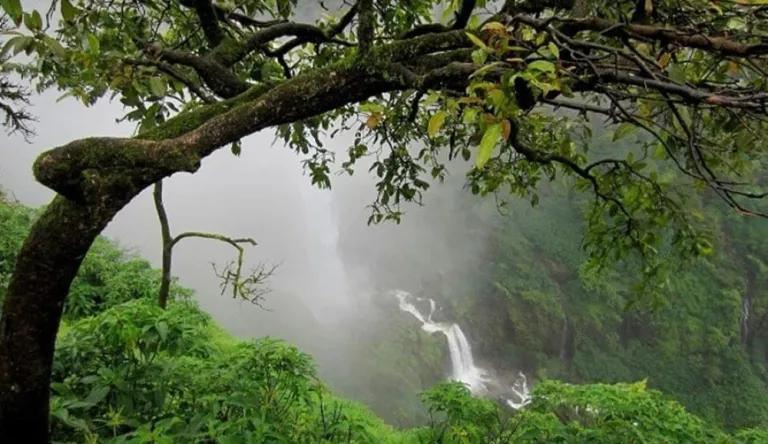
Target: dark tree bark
46 265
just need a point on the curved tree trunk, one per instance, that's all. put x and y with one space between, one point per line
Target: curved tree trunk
46 265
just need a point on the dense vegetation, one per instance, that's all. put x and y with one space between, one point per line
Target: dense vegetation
702 338
128 371
528 300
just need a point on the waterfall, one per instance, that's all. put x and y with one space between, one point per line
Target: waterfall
463 366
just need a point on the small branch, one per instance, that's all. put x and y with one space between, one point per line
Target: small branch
722 45
335 30
464 13
234 242
253 287
228 55
16 121
165 232
208 19
224 15
174 73
216 76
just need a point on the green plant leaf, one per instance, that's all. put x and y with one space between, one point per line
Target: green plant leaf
541 65
487 144
158 86
554 50
68 11
93 43
479 43
436 122
623 130
97 394
33 21
14 10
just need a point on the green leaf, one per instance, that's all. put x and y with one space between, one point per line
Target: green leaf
469 116
541 65
477 41
68 11
284 8
370 107
18 43
162 327
487 144
97 394
67 94
237 148
55 47
623 130
158 86
13 9
554 50
33 21
93 43
436 122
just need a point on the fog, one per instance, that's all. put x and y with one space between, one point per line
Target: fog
331 263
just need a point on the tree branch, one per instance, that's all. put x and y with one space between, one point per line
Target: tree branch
181 143
464 13
165 232
225 15
232 52
208 19
690 39
366 26
174 73
335 30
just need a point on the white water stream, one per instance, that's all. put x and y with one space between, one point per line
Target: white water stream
463 366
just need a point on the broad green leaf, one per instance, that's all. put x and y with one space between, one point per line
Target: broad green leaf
55 47
479 43
33 21
93 43
18 44
68 11
436 122
371 107
97 394
487 144
284 8
623 130
469 116
158 86
541 65
14 10
554 50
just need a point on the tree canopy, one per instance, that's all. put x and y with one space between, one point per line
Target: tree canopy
511 86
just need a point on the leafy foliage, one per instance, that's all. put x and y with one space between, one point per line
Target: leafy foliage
128 371
699 340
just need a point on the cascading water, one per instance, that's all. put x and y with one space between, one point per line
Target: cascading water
463 366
